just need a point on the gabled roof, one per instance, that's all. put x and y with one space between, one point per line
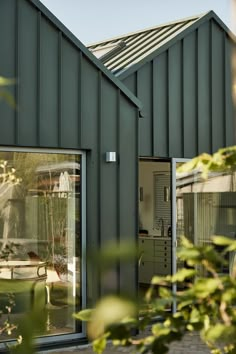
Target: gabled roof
124 54
77 43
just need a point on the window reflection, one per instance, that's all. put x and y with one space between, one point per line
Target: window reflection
205 208
40 235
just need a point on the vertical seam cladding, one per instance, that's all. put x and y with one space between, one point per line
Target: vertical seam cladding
137 191
136 83
59 87
152 133
224 89
210 88
182 96
154 114
167 104
16 68
99 165
79 104
38 98
118 174
196 92
136 79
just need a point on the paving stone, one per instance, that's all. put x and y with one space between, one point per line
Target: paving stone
190 344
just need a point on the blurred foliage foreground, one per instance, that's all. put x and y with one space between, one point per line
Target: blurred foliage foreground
206 304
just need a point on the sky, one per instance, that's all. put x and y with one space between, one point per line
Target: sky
95 20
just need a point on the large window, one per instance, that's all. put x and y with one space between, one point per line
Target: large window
41 211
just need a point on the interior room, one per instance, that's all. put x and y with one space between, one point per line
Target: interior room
154 219
200 209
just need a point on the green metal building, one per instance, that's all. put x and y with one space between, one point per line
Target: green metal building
181 72
87 146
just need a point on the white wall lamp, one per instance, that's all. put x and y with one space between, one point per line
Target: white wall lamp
111 156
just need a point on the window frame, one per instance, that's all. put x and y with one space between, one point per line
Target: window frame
49 340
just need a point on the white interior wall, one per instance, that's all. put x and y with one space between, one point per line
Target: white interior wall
146 171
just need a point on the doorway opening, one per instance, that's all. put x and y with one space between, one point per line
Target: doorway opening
155 229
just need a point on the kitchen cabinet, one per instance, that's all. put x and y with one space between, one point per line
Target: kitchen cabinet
155 257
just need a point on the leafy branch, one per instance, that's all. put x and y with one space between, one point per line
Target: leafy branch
4 93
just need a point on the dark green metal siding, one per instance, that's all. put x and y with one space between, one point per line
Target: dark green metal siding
175 99
218 87
160 105
190 108
27 74
66 100
7 65
186 95
204 87
144 92
70 100
126 188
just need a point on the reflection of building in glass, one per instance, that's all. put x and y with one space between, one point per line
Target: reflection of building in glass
206 207
59 177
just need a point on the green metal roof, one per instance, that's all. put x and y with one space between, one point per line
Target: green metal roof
124 53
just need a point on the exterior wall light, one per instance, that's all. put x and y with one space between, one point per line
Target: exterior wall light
111 156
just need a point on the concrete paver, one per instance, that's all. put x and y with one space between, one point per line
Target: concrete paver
190 344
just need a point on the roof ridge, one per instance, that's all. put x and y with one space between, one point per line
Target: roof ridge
165 24
122 74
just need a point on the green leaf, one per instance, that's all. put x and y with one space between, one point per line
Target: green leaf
6 82
223 240
99 345
184 303
188 166
195 316
185 242
205 286
84 315
165 292
220 332
4 94
229 295
159 330
8 98
110 310
183 274
158 280
188 254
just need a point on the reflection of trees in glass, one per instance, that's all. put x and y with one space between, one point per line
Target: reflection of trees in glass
27 165
12 194
48 210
